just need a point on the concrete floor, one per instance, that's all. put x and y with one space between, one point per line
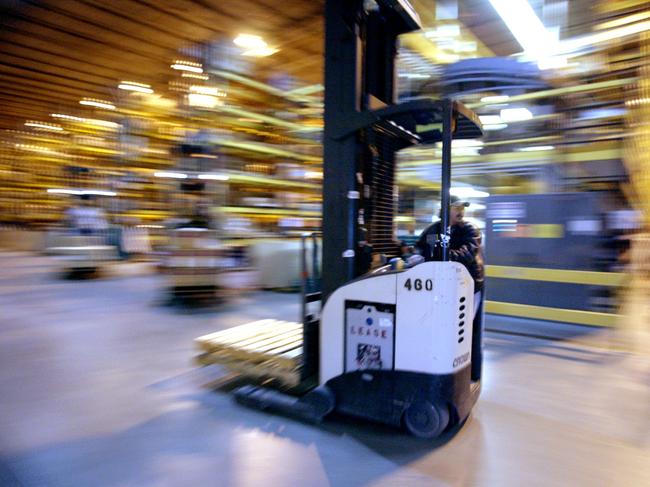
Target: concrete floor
97 388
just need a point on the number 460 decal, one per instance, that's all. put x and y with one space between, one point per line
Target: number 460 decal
418 284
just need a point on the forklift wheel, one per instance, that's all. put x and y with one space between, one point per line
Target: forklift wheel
320 402
426 420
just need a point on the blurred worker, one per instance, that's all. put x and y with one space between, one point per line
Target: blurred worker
464 245
86 218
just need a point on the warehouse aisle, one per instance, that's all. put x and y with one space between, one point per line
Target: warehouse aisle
97 388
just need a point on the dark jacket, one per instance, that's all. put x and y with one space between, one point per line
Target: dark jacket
464 247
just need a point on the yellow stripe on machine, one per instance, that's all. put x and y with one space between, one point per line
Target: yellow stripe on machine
579 317
556 275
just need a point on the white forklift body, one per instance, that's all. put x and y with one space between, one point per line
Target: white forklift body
417 320
396 348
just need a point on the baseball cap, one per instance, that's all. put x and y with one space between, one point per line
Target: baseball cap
456 201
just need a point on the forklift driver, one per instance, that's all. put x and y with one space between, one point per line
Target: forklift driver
464 245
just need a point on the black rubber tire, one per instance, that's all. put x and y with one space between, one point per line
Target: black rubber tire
425 420
321 401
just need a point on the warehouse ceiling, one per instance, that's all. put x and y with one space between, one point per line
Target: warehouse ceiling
56 53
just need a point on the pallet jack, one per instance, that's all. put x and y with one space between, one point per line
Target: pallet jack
393 346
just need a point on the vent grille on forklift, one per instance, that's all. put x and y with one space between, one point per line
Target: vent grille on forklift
461 323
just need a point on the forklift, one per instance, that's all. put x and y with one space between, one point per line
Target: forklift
399 347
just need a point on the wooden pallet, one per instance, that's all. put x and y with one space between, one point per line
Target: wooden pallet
260 349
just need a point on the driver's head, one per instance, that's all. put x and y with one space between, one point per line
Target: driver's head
456 210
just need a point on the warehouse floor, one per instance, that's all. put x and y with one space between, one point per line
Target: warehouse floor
98 388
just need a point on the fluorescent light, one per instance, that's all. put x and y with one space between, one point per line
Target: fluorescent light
64 191
464 46
66 117
208 90
90 121
81 192
195 76
133 86
203 101
187 66
536 148
495 99
44 126
414 75
552 62
98 192
169 174
466 143
467 192
214 177
248 41
101 123
39 149
97 103
515 114
451 30
496 126
260 52
204 156
254 46
490 119
525 26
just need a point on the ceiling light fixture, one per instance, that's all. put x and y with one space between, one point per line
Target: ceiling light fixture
444 31
490 119
97 103
214 177
254 46
195 76
526 27
66 117
98 192
208 90
495 99
133 86
90 121
495 126
101 123
248 41
181 65
81 192
43 126
414 75
536 148
200 100
466 143
169 174
260 52
204 156
515 114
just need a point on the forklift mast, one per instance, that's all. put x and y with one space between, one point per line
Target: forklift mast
364 128
359 168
